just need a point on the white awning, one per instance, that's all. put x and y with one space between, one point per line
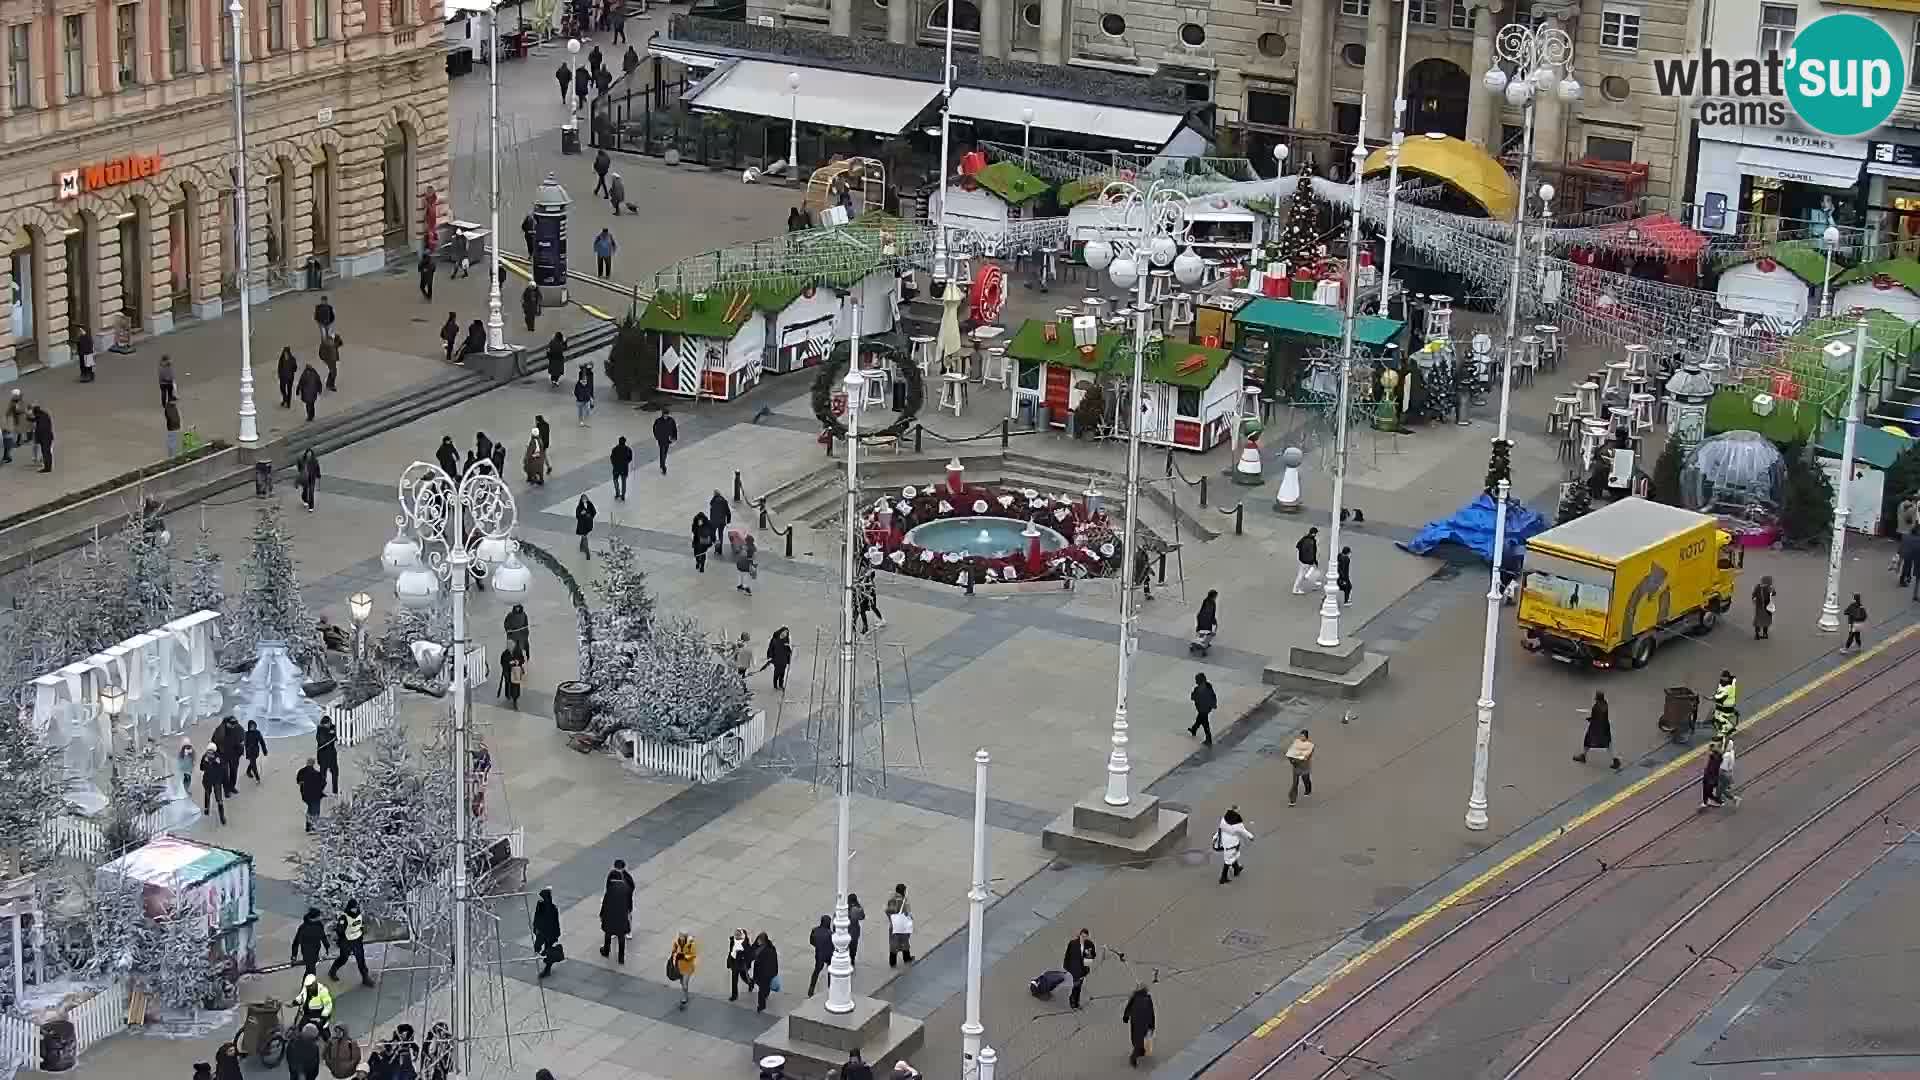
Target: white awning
1892 171
1053 114
834 98
1818 169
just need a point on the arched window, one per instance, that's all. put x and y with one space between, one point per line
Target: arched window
966 25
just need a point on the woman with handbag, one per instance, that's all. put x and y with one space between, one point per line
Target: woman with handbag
739 962
1763 605
1227 838
899 925
546 932
681 961
766 969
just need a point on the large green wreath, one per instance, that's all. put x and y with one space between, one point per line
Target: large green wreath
826 381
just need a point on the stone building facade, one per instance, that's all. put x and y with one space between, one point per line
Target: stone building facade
116 122
1276 68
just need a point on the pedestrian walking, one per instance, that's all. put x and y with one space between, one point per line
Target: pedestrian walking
855 915
1300 756
766 969
621 459
1856 615
226 1062
448 455
231 739
184 762
475 343
604 245
307 472
426 269
534 461
515 625
530 304
303 1053
167 392
499 459
779 656
83 348
309 942
326 747
1710 776
460 261
1909 552
450 334
739 962
528 232
330 358
583 395
681 960
601 163
899 925
313 787
556 359
629 61
170 414
213 782
255 748
821 938
616 910
702 540
545 431
288 370
582 80
482 447
666 432
1764 603
564 76
350 941
546 932
719 515
1204 702
602 81
1143 572
1207 620
595 59
583 514
856 1067
1228 838
866 596
1138 1016
1307 550
1343 566
745 563
511 675
620 36
1599 732
309 390
743 656
43 437
616 192
323 317
1078 963
14 426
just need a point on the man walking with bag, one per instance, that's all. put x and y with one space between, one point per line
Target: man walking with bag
1079 963
1308 550
899 925
1300 756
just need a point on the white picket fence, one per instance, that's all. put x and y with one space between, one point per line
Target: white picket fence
701 763
94 1019
77 837
358 724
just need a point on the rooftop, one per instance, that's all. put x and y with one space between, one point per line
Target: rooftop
1315 320
1621 529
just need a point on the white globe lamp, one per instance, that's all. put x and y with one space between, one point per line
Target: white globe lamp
1124 272
417 587
1495 80
1188 268
512 576
1518 91
1098 254
1570 89
493 550
401 552
1161 250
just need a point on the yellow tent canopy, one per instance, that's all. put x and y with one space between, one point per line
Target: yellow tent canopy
1459 163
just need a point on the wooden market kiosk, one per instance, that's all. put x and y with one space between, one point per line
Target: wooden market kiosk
1274 335
1189 392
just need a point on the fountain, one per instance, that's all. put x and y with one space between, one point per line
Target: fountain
985 537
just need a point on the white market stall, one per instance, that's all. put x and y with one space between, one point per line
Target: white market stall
803 332
1779 284
710 344
985 200
218 883
1189 392
1888 286
1223 230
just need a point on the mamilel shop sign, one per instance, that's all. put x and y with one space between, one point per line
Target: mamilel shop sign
74 183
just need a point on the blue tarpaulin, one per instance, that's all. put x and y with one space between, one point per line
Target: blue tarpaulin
1472 527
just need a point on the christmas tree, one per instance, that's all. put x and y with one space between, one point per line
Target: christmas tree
1574 501
176 959
620 622
35 781
103 939
1301 242
393 658
204 591
678 689
1499 465
147 597
1666 474
135 789
270 607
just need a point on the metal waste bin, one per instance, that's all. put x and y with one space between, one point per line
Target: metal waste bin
570 140
1681 713
262 1018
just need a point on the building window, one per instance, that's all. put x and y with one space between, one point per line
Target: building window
1464 13
276 25
1030 16
1619 28
1356 8
966 24
1193 35
1601 148
1272 107
226 33
1512 138
1272 45
1113 25
1777 22
322 19
177 37
20 65
1615 88
1274 5
1424 12
1355 56
397 12
126 42
74 28
1346 117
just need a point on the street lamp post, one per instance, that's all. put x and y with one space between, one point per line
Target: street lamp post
1838 358
496 323
573 74
1393 156
1831 238
946 125
1161 216
1026 138
1279 194
840 967
972 1032
442 513
1330 593
1483 709
249 419
793 126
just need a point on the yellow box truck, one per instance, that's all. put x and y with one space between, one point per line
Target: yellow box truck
1604 589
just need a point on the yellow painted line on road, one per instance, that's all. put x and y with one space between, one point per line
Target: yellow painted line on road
594 311
1463 892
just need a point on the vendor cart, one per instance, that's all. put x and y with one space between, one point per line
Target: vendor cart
1681 714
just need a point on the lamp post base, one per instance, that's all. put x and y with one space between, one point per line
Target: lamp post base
815 1041
1095 829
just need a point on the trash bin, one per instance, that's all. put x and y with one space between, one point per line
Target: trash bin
59 1046
262 1017
1681 713
263 478
570 140
572 705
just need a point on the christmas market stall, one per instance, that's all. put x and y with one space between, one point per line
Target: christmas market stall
1655 247
1272 335
1892 286
717 344
1189 392
1477 184
174 872
985 198
1778 283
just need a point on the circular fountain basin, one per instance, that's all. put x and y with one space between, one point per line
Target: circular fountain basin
983 536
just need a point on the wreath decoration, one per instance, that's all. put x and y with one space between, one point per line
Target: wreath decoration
827 380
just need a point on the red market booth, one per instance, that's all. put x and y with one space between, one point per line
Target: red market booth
1189 392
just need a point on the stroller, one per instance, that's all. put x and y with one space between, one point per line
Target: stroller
1202 643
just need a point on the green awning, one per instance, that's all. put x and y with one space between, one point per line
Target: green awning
1315 320
1904 271
1012 183
1871 445
1173 365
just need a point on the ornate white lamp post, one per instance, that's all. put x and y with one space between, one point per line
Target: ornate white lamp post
1393 156
1483 709
496 323
249 419
840 967
940 267
1330 594
1831 240
1843 357
793 126
972 1032
1150 227
441 514
1026 138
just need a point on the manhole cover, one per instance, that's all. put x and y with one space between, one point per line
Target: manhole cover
1357 859
1244 939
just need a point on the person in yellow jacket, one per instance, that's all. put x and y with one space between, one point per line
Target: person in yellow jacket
681 961
1726 712
316 1003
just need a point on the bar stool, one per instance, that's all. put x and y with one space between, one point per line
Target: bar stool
1094 304
922 353
953 391
1593 435
1117 323
1588 394
1715 371
959 268
1642 405
1638 356
1049 266
1182 310
1616 371
1527 363
1561 416
1549 346
876 381
1159 284
1620 418
995 371
1569 434
1439 316
1720 346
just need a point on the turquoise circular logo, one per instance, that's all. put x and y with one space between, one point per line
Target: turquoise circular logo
1845 74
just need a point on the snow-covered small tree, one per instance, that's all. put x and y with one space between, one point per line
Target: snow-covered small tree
270 606
94 604
204 590
104 940
150 587
677 687
176 959
135 789
33 789
625 610
392 651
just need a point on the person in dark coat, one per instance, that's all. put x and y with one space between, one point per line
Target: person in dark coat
856 1067
83 348
601 163
616 909
330 356
1343 567
1079 963
595 59
821 938
515 625
780 656
232 740
499 458
1710 777
450 334
323 317
482 446
1204 702
255 748
564 76
719 515
309 389
702 540
583 514
545 430
309 942
476 342
739 962
582 82
213 782
583 395
43 436
766 965
202 1071
426 269
528 233
167 392
326 751
448 456
307 472
546 931
1207 619
556 359
313 787
289 371
1599 731
1856 614
1138 1016
226 1062
1307 551
616 193
303 1053
621 459
629 61
666 432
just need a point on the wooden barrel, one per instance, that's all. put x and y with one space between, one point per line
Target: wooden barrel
58 1046
572 709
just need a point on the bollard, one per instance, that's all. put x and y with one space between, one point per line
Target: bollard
738 491
918 430
1163 568
762 504
1239 519
829 442
789 541
1003 434
1203 491
966 580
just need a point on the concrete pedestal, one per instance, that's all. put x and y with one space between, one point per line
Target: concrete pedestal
815 1041
1092 830
1346 670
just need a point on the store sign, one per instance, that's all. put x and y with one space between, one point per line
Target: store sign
1906 157
73 183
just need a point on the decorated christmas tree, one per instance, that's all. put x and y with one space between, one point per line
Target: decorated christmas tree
270 607
1301 241
136 789
1574 501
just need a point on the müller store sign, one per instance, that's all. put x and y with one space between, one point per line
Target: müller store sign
73 183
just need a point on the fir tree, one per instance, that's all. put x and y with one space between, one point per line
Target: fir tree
1575 502
147 597
135 789
393 661
1806 506
97 607
1302 240
621 621
204 591
176 959
677 689
1666 474
1499 465
104 940
270 607
35 783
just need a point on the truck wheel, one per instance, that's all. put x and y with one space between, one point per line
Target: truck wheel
1709 618
1642 652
